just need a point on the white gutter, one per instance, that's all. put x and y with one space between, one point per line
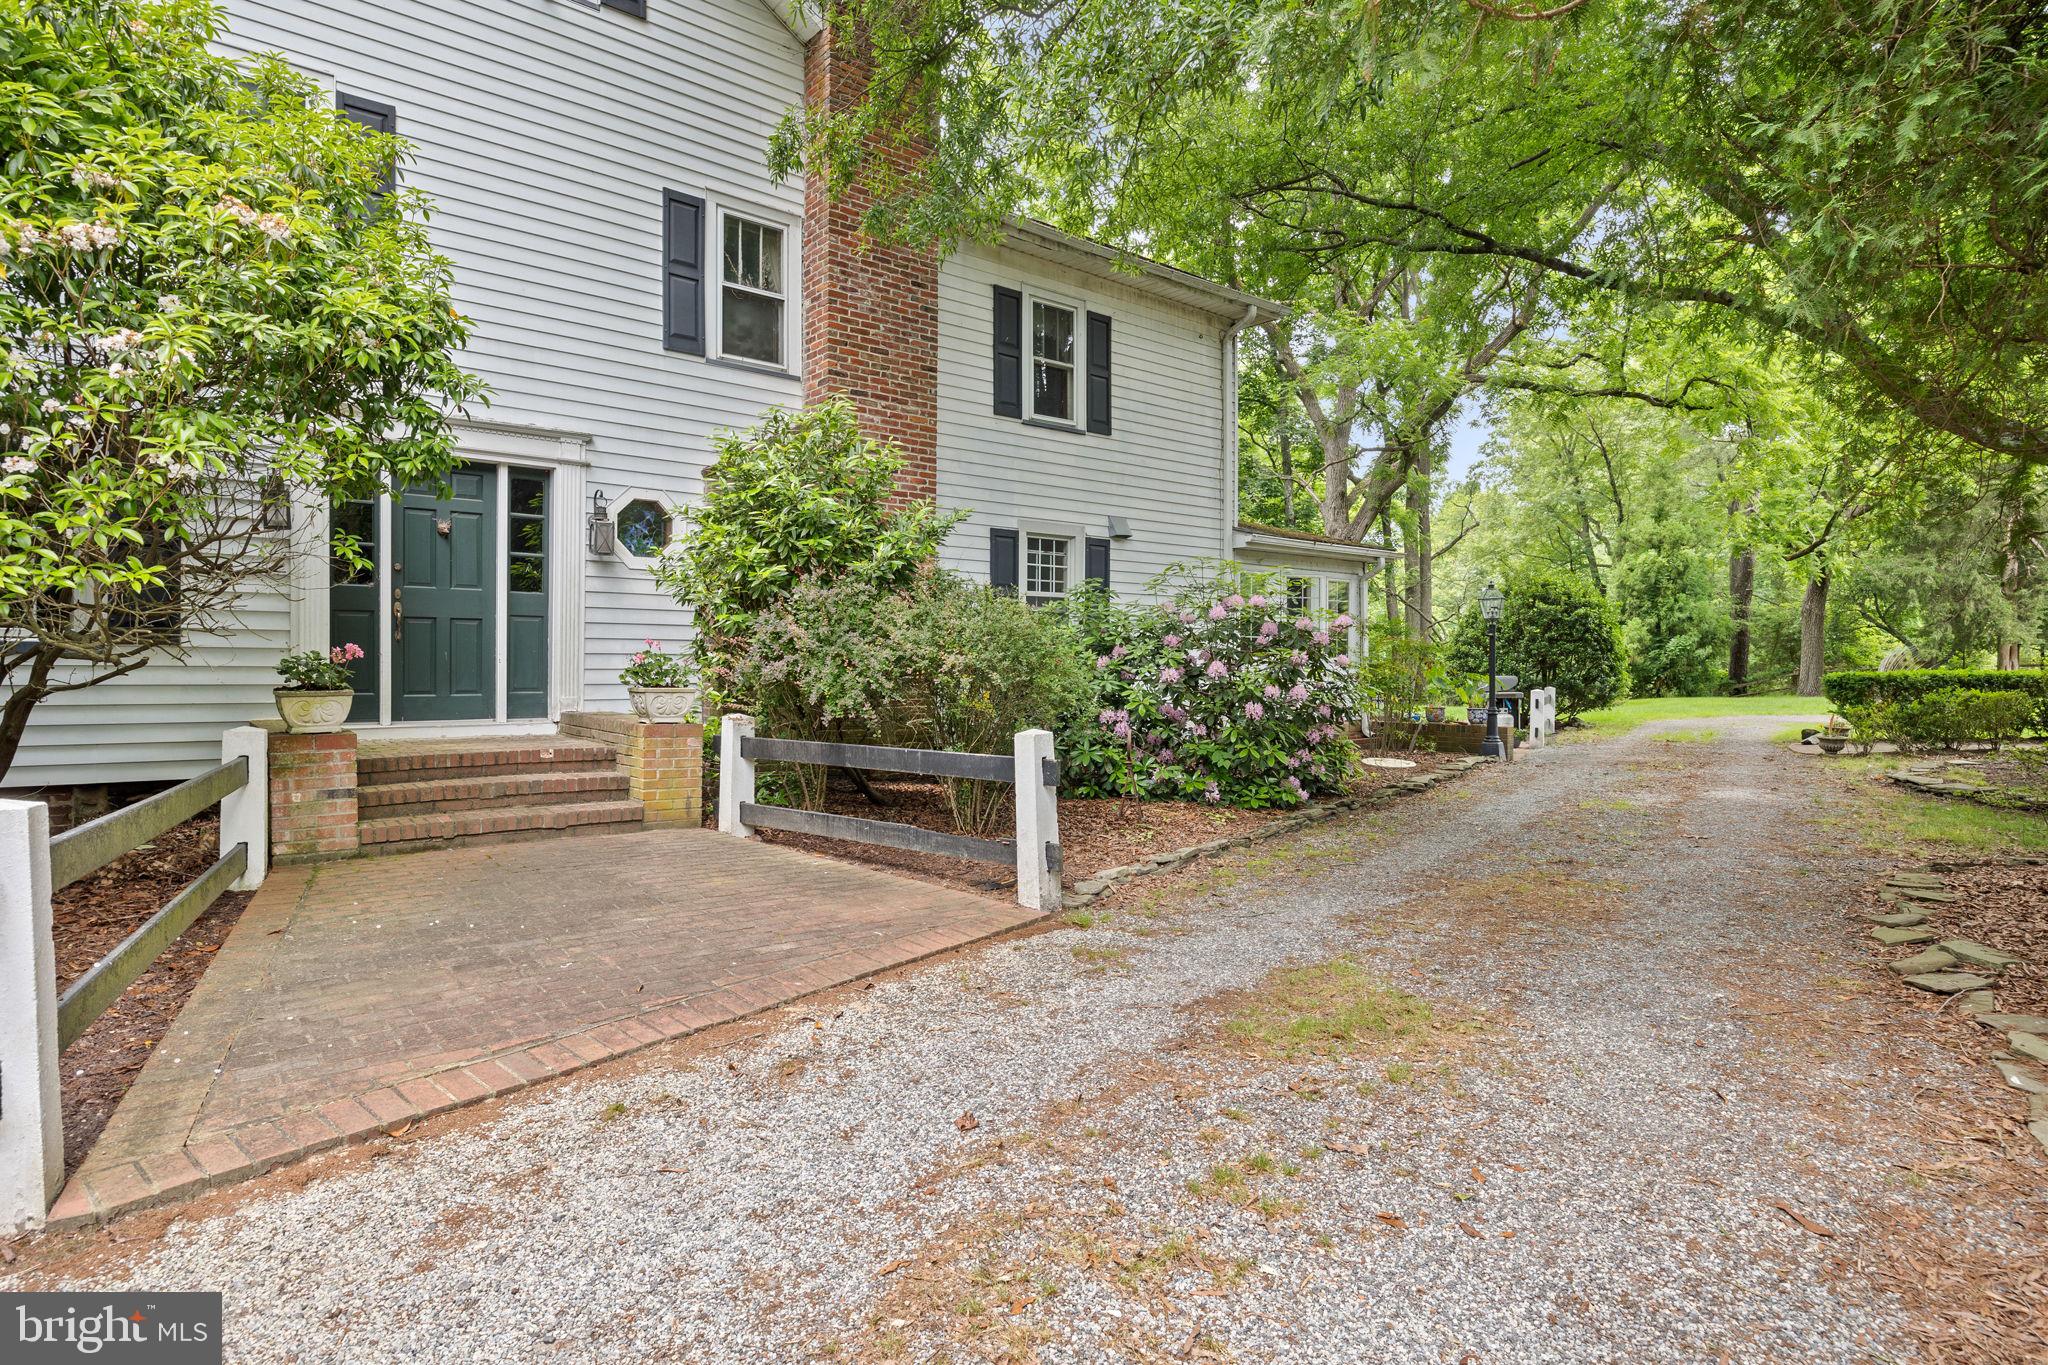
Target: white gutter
1371 555
1229 527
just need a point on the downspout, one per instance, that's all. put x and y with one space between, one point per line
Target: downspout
1229 527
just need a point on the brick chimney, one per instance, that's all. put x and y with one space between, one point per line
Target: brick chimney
871 312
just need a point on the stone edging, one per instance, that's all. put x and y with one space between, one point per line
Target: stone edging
1967 972
1995 797
1087 892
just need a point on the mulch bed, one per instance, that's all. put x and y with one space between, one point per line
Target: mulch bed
89 919
2005 906
1095 835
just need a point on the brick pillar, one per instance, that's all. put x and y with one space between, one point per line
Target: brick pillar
871 312
312 796
665 763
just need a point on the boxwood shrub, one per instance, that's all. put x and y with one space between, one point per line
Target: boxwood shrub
1867 688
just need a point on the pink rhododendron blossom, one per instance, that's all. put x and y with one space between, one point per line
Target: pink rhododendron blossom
1212 793
1218 669
1272 689
1299 658
1218 612
1169 675
1254 711
1233 601
1268 631
1102 661
1323 711
1298 693
1171 642
1303 623
1255 601
1118 652
1321 637
1187 618
1342 661
1343 621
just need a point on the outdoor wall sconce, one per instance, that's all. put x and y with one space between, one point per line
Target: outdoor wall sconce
277 503
603 535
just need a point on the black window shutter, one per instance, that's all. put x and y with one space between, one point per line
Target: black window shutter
382 118
682 288
636 8
1002 559
1095 564
1098 384
1009 356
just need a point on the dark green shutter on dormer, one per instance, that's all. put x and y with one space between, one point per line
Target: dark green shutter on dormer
1009 340
682 286
1098 374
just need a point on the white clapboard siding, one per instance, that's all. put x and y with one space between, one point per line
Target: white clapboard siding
545 131
1162 468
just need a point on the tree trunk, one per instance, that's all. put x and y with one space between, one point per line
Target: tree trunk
1741 593
22 700
1287 479
1391 593
1813 630
1336 482
1415 552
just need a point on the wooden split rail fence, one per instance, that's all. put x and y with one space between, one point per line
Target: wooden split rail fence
36 1024
1031 768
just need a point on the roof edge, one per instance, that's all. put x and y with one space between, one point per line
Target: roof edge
1228 301
804 20
1255 535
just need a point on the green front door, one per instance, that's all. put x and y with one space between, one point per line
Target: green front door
444 611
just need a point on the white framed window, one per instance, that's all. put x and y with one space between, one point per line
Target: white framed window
1046 567
753 288
1056 359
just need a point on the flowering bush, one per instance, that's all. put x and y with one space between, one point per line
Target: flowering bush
310 670
650 667
1219 694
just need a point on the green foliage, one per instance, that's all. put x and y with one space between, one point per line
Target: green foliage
654 667
801 497
1849 691
939 664
1674 626
1219 694
1555 631
209 299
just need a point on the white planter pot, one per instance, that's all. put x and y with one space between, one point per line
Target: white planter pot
309 712
664 703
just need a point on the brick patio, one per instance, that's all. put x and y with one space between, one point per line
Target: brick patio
357 995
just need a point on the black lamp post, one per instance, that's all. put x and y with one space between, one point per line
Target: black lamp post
1491 600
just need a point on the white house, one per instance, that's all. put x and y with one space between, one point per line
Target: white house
636 282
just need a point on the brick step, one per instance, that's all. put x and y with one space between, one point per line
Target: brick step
492 758
439 827
490 788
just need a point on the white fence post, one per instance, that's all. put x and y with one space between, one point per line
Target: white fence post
31 1106
735 775
245 814
1038 823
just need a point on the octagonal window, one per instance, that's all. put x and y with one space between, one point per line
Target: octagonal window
643 527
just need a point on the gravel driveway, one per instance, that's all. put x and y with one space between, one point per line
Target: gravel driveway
1648 1024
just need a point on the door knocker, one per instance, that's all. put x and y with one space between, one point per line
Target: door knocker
444 527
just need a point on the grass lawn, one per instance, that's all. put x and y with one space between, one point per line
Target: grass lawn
1615 720
1888 819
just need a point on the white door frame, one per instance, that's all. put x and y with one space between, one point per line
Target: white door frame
565 456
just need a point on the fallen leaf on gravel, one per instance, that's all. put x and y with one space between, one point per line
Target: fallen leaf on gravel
967 1123
1508 1232
1392 1220
1351 1147
1469 1230
400 1129
894 1266
1796 1216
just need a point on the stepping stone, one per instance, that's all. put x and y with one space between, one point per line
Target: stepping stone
1975 954
2037 1108
2020 1077
2031 1046
2039 1128
1927 879
1904 919
1933 960
1949 983
1919 893
2012 1023
1976 1004
1893 938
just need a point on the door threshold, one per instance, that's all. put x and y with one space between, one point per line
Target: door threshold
452 729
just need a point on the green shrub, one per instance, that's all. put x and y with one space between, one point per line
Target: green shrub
1874 723
801 497
1555 631
1944 718
939 664
1847 690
